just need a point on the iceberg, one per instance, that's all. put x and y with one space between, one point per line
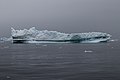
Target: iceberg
33 35
4 39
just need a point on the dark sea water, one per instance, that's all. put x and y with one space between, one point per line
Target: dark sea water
60 61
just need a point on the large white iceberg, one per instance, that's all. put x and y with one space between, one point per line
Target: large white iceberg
33 35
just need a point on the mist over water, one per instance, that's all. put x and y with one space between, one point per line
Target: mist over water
65 15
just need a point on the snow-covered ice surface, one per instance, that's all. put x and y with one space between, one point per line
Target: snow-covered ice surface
33 35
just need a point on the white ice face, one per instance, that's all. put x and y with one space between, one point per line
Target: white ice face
32 33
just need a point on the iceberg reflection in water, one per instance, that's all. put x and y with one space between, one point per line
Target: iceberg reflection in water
35 36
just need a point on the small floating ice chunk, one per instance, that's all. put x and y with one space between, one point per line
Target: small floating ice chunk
8 77
112 47
6 46
60 47
113 40
88 51
44 45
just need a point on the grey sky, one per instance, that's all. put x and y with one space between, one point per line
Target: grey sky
60 15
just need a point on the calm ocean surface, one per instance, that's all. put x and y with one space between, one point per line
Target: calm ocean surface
60 61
